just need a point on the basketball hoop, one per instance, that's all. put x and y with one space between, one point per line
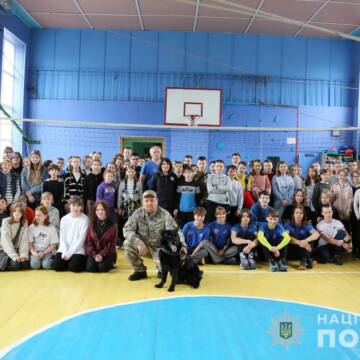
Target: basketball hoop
193 120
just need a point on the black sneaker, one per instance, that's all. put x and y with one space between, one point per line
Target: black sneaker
303 264
230 261
273 265
282 265
338 260
310 262
159 274
252 263
137 275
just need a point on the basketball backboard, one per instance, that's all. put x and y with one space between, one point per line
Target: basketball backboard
194 107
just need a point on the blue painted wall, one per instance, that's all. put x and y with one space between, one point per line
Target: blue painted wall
114 65
120 77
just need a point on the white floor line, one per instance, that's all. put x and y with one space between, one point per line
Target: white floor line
262 272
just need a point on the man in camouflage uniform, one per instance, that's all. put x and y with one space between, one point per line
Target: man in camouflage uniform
142 234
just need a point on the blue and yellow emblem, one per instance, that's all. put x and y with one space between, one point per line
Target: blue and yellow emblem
286 329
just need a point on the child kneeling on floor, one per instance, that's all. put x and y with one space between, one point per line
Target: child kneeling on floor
43 240
14 244
274 240
243 237
73 227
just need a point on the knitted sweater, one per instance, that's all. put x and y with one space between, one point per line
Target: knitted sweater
18 249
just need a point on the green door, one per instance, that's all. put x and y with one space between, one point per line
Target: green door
142 145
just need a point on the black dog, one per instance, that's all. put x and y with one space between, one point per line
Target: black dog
182 269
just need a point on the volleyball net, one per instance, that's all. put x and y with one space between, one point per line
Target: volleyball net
63 138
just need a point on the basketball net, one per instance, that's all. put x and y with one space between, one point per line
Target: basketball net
193 120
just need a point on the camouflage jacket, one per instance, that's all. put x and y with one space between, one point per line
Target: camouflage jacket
144 228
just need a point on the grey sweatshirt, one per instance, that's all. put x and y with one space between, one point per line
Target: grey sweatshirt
218 187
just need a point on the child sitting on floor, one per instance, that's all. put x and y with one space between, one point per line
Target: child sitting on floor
43 240
243 237
195 232
334 240
73 227
274 240
218 247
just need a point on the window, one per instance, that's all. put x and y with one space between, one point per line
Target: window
12 87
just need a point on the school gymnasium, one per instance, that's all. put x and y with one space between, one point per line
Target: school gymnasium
235 122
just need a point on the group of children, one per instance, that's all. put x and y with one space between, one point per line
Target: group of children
226 214
79 244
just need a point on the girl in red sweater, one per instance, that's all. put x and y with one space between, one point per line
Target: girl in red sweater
100 242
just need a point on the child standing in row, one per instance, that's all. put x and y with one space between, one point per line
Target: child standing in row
9 183
236 197
129 198
106 192
164 184
187 197
3 210
91 183
282 187
218 186
55 186
322 186
259 181
246 184
260 210
53 212
74 180
32 178
342 197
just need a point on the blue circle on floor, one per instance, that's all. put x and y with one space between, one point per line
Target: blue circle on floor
207 327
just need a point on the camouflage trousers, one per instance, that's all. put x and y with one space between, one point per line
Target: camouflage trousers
133 257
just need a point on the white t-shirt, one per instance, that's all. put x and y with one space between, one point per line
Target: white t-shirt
42 236
329 229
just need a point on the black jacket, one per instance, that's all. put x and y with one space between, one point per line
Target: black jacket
91 183
165 188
